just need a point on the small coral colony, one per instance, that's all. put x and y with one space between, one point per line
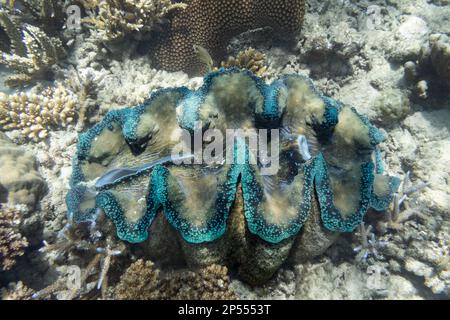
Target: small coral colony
128 190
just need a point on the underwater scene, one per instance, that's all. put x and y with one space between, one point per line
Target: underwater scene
224 150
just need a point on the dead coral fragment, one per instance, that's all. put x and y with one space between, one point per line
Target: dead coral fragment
12 244
249 59
32 51
116 19
35 114
144 282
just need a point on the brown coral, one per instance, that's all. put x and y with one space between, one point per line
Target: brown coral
210 283
211 24
33 52
115 19
35 114
142 281
16 291
249 59
20 182
12 244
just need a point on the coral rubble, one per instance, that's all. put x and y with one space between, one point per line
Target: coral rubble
346 182
211 24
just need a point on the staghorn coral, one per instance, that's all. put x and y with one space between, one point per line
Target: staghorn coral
211 24
33 52
12 243
126 169
90 240
49 14
249 59
142 281
116 19
35 114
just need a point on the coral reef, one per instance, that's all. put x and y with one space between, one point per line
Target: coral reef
432 70
12 243
20 182
249 59
116 19
50 14
142 281
211 24
35 114
440 56
391 106
16 291
346 184
129 83
33 52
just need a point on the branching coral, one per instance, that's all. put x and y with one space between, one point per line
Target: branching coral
12 243
50 14
142 281
211 24
395 215
35 114
370 246
249 59
32 51
126 168
102 250
116 19
16 291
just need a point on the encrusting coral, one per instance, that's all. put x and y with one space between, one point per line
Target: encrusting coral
329 159
32 54
211 24
116 19
20 182
35 114
143 281
12 243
